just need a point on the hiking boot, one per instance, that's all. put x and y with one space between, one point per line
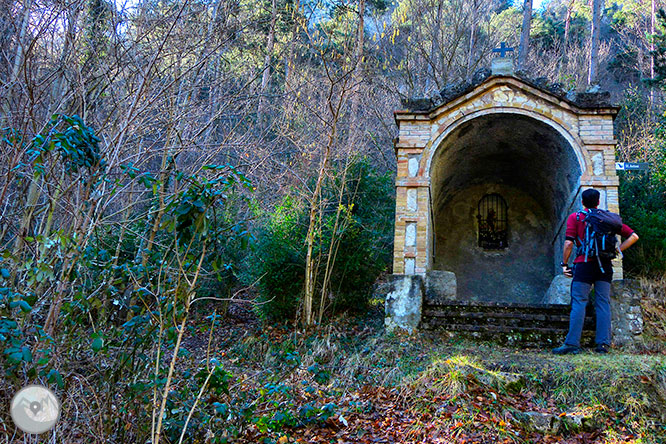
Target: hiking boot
601 348
566 350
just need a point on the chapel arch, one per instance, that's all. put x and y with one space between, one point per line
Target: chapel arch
517 169
567 129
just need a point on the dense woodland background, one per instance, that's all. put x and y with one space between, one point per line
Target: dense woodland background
160 159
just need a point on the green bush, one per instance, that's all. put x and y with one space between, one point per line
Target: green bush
364 233
366 249
643 194
280 261
643 208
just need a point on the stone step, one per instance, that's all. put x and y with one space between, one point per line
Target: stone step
501 306
525 324
550 317
508 323
505 335
516 319
435 323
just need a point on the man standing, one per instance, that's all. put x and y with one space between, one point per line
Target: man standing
589 268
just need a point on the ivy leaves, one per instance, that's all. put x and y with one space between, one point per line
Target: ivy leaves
190 209
73 140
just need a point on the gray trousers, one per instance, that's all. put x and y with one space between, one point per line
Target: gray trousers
580 291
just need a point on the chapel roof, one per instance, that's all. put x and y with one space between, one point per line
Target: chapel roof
586 100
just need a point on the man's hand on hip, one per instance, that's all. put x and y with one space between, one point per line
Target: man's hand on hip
566 270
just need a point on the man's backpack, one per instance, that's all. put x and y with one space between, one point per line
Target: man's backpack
601 228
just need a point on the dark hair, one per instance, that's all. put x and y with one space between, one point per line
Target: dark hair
590 198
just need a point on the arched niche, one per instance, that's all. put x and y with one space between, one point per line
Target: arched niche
535 169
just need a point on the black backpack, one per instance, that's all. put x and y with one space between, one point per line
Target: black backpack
601 228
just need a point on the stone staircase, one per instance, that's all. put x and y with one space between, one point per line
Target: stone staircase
512 324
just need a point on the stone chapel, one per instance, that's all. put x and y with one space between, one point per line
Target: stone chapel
487 173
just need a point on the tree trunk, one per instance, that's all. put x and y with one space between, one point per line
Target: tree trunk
20 49
335 239
525 34
31 204
652 17
472 37
315 202
60 85
18 61
6 32
358 66
565 43
266 75
82 220
308 316
594 50
289 62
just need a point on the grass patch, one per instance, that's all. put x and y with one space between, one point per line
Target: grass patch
352 381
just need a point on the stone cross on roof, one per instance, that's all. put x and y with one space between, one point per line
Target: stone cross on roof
503 49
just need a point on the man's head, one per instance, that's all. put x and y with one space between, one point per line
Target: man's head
590 198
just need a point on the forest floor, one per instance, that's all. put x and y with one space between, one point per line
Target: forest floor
351 382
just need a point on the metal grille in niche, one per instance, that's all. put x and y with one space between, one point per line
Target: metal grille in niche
492 218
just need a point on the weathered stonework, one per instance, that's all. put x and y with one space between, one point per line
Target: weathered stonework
440 287
530 142
502 66
627 318
559 291
404 296
588 132
534 143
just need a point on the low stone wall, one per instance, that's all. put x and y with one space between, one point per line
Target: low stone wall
627 318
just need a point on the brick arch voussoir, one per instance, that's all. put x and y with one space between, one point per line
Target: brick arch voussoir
565 130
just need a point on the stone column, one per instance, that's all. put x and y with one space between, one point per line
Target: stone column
596 132
412 214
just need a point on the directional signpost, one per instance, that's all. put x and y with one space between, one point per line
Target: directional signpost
632 166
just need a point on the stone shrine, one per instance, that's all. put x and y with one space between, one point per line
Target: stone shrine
487 173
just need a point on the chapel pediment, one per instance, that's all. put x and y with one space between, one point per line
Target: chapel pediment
510 90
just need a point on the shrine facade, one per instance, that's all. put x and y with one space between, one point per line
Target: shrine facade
486 176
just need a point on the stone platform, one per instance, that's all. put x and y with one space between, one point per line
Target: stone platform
430 302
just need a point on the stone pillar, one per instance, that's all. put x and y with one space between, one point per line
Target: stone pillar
412 213
404 299
596 132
